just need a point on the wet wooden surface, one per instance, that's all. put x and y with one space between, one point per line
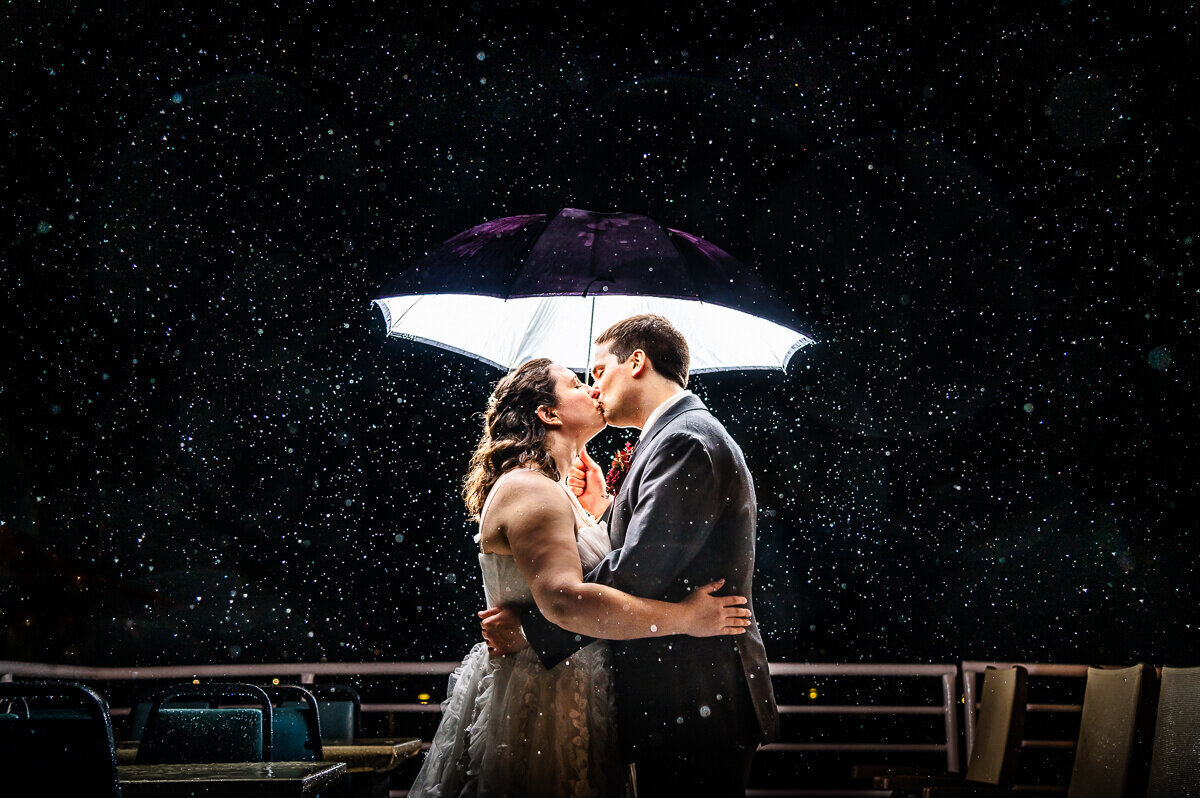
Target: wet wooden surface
126 752
231 779
367 754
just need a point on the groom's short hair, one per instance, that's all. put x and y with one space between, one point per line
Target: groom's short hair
654 335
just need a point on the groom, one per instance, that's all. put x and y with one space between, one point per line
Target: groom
691 711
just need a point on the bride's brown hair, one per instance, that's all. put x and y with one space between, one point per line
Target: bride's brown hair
513 435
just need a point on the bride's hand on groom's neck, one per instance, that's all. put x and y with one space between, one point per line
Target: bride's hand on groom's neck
586 481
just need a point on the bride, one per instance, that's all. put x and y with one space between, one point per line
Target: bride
510 727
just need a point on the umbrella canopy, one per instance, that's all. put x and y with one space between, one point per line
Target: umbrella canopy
543 285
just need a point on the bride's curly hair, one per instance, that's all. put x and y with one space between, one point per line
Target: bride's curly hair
513 435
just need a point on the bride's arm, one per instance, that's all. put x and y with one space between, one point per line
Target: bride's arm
540 528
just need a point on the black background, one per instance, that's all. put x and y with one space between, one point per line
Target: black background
209 452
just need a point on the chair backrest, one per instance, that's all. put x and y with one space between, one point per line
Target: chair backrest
1113 749
57 754
340 708
59 712
184 736
296 736
1175 763
141 711
337 721
17 707
999 727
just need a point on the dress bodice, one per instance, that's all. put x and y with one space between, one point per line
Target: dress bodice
503 582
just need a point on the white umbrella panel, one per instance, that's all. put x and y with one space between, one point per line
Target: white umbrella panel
508 332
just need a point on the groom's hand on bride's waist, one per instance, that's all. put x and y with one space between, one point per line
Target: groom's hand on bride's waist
502 630
586 480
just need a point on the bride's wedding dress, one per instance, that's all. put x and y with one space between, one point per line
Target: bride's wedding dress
512 728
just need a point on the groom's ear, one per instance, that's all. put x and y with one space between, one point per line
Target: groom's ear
637 362
548 416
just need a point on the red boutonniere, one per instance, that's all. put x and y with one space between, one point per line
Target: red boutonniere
618 469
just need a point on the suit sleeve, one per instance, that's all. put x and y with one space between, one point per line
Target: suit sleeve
677 508
552 643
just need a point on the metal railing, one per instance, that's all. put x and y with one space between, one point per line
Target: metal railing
973 670
307 672
946 674
304 673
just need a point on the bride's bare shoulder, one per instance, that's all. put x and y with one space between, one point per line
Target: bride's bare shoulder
530 500
524 485
514 500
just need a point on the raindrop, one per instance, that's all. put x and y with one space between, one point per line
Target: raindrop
1159 358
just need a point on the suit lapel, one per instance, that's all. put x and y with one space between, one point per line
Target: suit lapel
618 510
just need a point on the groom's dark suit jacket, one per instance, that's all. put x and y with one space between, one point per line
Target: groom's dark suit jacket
684 516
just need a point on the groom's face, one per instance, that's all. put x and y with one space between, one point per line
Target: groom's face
615 382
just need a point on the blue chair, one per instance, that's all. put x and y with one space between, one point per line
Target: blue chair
185 736
296 725
340 708
52 750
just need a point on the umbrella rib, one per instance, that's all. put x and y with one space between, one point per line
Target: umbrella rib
695 290
400 318
387 313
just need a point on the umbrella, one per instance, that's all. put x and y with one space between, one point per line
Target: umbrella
545 285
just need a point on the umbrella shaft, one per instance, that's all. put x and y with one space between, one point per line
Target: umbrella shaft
587 365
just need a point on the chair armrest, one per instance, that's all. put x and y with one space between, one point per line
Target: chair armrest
915 783
1039 789
869 772
968 789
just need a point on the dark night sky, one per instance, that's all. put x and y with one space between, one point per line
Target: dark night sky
210 452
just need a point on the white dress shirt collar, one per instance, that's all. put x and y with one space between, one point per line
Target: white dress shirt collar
663 408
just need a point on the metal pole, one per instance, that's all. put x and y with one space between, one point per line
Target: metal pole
948 682
587 361
969 708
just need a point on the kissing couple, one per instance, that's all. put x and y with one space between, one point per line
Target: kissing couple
607 645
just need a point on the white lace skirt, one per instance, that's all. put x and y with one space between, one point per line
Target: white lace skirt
512 728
